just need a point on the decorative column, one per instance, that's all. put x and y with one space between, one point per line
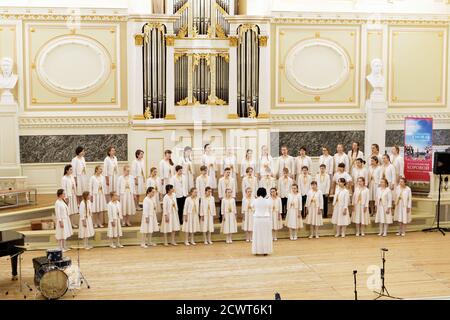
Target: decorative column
232 103
264 72
170 76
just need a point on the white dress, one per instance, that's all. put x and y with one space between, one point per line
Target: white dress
97 188
286 162
229 162
268 182
86 214
79 172
170 210
262 227
250 182
191 210
357 173
341 158
114 215
166 171
229 223
264 163
127 190
201 182
68 184
388 172
403 201
352 157
156 184
374 182
62 214
328 161
345 175
225 184
383 203
341 201
399 165
284 186
247 164
111 170
300 162
138 171
149 211
360 202
210 163
294 208
247 214
276 210
314 203
208 212
188 171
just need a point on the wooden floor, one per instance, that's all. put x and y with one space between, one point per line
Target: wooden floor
418 266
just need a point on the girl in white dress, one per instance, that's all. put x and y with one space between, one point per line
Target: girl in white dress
324 185
170 221
359 170
79 172
229 161
304 180
294 219
155 182
228 209
374 182
86 230
314 207
149 222
388 171
341 157
188 166
284 186
191 223
340 173
286 161
354 154
403 204
250 181
114 217
360 216
247 162
207 214
247 214
276 209
202 182
262 234
127 191
328 161
265 164
384 207
341 214
138 172
68 184
111 170
398 163
166 169
375 152
226 182
209 160
268 181
97 190
63 229
302 161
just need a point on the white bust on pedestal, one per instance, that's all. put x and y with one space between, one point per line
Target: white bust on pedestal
8 81
376 80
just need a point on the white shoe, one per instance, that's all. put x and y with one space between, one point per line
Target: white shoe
357 234
152 244
95 225
247 240
295 237
310 237
363 234
384 235
88 247
398 234
174 243
119 246
343 236
380 234
206 242
100 226
336 235
193 243
75 226
187 244
275 239
317 237
403 234
123 224
113 246
210 242
144 246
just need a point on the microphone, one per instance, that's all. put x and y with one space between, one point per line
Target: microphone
355 271
384 249
277 296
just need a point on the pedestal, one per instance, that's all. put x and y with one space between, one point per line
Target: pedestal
9 141
375 125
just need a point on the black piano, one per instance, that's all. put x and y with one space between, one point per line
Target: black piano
9 240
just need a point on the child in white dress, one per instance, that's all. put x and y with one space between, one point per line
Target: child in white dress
188 167
247 214
301 161
294 219
155 182
388 171
361 216
250 181
374 177
265 164
97 190
384 207
202 182
111 170
267 181
191 223
359 170
226 182
341 173
207 214
63 229
398 163
341 214
86 230
209 160
166 169
68 184
246 163
341 157
138 172
149 222
229 161
79 172
114 217
403 204
314 207
228 209
276 210
170 221
126 189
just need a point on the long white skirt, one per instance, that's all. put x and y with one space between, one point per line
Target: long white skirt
191 225
88 231
98 203
65 232
172 225
229 223
372 191
207 225
141 185
116 231
151 226
401 215
314 218
361 217
112 184
382 216
82 184
247 222
339 218
262 235
277 224
127 203
72 204
292 219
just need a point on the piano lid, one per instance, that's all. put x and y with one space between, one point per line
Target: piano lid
10 235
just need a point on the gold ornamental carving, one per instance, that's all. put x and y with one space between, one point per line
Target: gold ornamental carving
170 40
138 40
233 41
263 41
148 113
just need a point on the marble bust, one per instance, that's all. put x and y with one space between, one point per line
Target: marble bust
376 80
8 81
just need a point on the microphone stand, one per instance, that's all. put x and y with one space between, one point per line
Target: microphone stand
383 286
19 257
438 227
354 282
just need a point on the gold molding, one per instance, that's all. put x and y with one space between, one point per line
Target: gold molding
170 40
138 39
170 117
73 100
148 113
138 117
233 41
263 41
263 116
182 32
182 102
317 98
233 116
60 17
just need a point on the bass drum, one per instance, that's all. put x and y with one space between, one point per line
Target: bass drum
51 281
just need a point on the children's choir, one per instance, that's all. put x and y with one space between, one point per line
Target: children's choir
175 199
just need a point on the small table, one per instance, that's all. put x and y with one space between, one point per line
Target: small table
14 194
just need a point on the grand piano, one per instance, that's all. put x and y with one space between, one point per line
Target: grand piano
9 242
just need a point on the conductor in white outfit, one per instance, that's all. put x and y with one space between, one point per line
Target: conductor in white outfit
262 224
